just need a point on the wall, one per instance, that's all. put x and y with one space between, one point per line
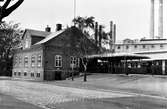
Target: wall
140 47
20 67
66 45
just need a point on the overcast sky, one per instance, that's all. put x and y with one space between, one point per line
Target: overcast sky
132 17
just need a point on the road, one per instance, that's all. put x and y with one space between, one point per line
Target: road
117 103
53 95
9 102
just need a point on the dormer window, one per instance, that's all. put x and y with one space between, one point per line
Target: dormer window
26 43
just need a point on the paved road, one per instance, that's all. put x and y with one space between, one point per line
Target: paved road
45 95
58 97
117 103
8 102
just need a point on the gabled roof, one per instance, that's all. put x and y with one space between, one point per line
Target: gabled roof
36 33
49 37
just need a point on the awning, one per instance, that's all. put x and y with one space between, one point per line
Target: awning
117 56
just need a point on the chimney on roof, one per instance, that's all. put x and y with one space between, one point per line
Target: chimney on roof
48 29
58 27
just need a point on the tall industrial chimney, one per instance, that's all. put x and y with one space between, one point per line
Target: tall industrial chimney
100 35
152 20
114 33
160 23
111 30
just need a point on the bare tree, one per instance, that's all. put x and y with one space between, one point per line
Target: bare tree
84 59
6 9
10 36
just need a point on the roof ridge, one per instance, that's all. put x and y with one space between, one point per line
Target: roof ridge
50 36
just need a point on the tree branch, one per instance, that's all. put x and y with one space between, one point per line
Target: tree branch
9 10
6 4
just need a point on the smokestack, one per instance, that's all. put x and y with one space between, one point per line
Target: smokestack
58 27
160 24
152 20
113 38
111 30
96 33
100 35
48 29
114 33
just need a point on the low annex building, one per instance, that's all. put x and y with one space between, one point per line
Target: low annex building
156 49
49 56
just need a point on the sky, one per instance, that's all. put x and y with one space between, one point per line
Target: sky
132 17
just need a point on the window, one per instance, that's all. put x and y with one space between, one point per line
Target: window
32 74
118 47
139 65
32 61
19 74
161 46
39 61
127 47
26 61
152 46
25 73
26 43
75 61
78 62
20 60
144 46
135 46
58 61
16 59
15 73
38 74
157 63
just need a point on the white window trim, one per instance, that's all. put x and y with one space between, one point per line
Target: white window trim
39 64
58 58
26 43
32 63
75 61
16 60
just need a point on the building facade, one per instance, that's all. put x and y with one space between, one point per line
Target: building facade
156 49
51 56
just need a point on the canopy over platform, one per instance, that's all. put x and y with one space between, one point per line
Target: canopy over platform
117 56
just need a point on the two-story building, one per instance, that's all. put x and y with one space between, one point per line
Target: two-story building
51 56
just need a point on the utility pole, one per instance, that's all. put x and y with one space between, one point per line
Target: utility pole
74 10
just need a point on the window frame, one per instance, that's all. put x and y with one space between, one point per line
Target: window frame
75 61
161 45
25 73
38 75
26 61
32 75
32 61
39 61
58 61
15 61
127 46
